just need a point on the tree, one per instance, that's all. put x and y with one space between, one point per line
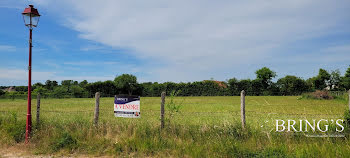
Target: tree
38 84
60 92
126 83
21 88
54 84
2 92
245 85
147 89
212 88
264 76
67 83
40 90
233 86
335 80
83 84
321 81
170 86
50 85
257 87
109 88
345 81
78 92
292 85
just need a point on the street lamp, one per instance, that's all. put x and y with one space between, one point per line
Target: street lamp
31 18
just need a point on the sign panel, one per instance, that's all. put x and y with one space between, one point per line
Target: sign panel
127 106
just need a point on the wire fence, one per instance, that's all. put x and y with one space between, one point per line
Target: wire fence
198 114
209 114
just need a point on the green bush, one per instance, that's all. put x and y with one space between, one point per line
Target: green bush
64 141
318 95
14 128
347 118
2 92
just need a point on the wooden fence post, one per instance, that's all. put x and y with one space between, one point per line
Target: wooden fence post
162 110
38 110
243 108
97 108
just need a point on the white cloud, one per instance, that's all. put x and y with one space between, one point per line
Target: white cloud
20 77
88 78
91 48
18 4
90 63
7 48
194 39
338 49
80 63
22 74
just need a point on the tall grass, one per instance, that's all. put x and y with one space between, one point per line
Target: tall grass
205 127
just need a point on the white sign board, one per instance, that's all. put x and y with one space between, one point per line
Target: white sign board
127 106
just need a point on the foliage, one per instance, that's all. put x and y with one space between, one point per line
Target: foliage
291 85
50 85
335 80
345 83
172 106
264 76
318 95
21 88
244 85
40 90
60 92
205 127
347 119
13 127
126 82
65 140
233 86
106 88
321 81
67 84
78 92
83 84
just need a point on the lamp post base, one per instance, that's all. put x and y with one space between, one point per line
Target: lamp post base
28 127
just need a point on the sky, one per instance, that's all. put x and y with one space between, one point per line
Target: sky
177 41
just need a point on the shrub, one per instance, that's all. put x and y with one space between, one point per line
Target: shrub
347 118
13 127
2 92
318 95
64 141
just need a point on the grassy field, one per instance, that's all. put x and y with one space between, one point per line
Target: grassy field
204 127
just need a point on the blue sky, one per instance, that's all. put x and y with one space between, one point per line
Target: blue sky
173 41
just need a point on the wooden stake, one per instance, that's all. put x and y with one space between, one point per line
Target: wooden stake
97 108
243 108
162 110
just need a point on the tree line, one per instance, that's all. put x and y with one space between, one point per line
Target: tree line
127 84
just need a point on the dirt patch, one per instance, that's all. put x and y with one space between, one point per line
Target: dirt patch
9 152
22 151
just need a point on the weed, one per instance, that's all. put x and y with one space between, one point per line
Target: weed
65 140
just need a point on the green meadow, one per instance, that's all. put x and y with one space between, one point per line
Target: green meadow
203 127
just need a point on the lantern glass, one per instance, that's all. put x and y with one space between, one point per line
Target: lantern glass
31 20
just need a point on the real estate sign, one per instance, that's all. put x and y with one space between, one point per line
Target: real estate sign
127 106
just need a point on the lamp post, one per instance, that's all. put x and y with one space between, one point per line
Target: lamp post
31 18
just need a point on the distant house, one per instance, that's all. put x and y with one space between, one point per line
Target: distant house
10 89
220 83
